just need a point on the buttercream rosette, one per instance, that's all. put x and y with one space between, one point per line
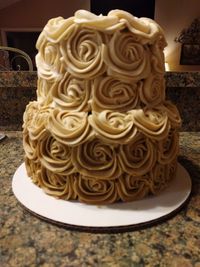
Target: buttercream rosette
82 53
93 191
55 156
113 127
57 29
131 187
137 157
48 60
44 96
159 178
36 122
57 185
113 94
168 147
152 91
157 55
96 159
69 128
72 94
152 122
33 168
34 128
172 113
126 58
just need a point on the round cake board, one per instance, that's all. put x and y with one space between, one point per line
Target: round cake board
118 217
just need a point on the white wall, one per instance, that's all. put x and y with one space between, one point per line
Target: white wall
174 16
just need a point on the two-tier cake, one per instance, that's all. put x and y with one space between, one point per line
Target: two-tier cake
101 130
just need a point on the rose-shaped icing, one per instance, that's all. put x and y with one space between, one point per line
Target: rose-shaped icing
44 96
58 185
168 148
30 147
48 61
159 178
151 122
171 169
153 90
96 159
35 120
132 187
145 28
55 156
157 55
114 127
172 113
34 128
69 128
82 53
57 29
137 157
33 168
126 58
72 94
29 113
93 191
113 94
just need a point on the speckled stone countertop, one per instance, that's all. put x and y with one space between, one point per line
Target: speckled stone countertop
28 241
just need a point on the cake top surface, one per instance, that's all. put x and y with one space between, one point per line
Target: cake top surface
58 28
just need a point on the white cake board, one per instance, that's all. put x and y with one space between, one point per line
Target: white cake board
117 217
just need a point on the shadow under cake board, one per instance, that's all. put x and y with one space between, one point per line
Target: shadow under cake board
113 218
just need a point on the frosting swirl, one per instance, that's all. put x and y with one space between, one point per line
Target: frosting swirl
138 157
82 53
157 56
113 127
168 147
158 178
113 94
48 60
151 122
152 92
57 29
69 128
33 168
126 58
55 156
172 113
35 120
93 191
96 159
58 185
72 94
132 187
44 92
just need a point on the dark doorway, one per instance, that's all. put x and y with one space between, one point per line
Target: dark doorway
138 8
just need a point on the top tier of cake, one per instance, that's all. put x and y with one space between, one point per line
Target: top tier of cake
113 62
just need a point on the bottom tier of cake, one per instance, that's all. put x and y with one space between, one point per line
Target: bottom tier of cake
96 172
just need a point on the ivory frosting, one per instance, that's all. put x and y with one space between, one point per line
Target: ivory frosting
101 130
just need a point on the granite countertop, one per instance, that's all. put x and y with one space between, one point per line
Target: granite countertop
26 240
